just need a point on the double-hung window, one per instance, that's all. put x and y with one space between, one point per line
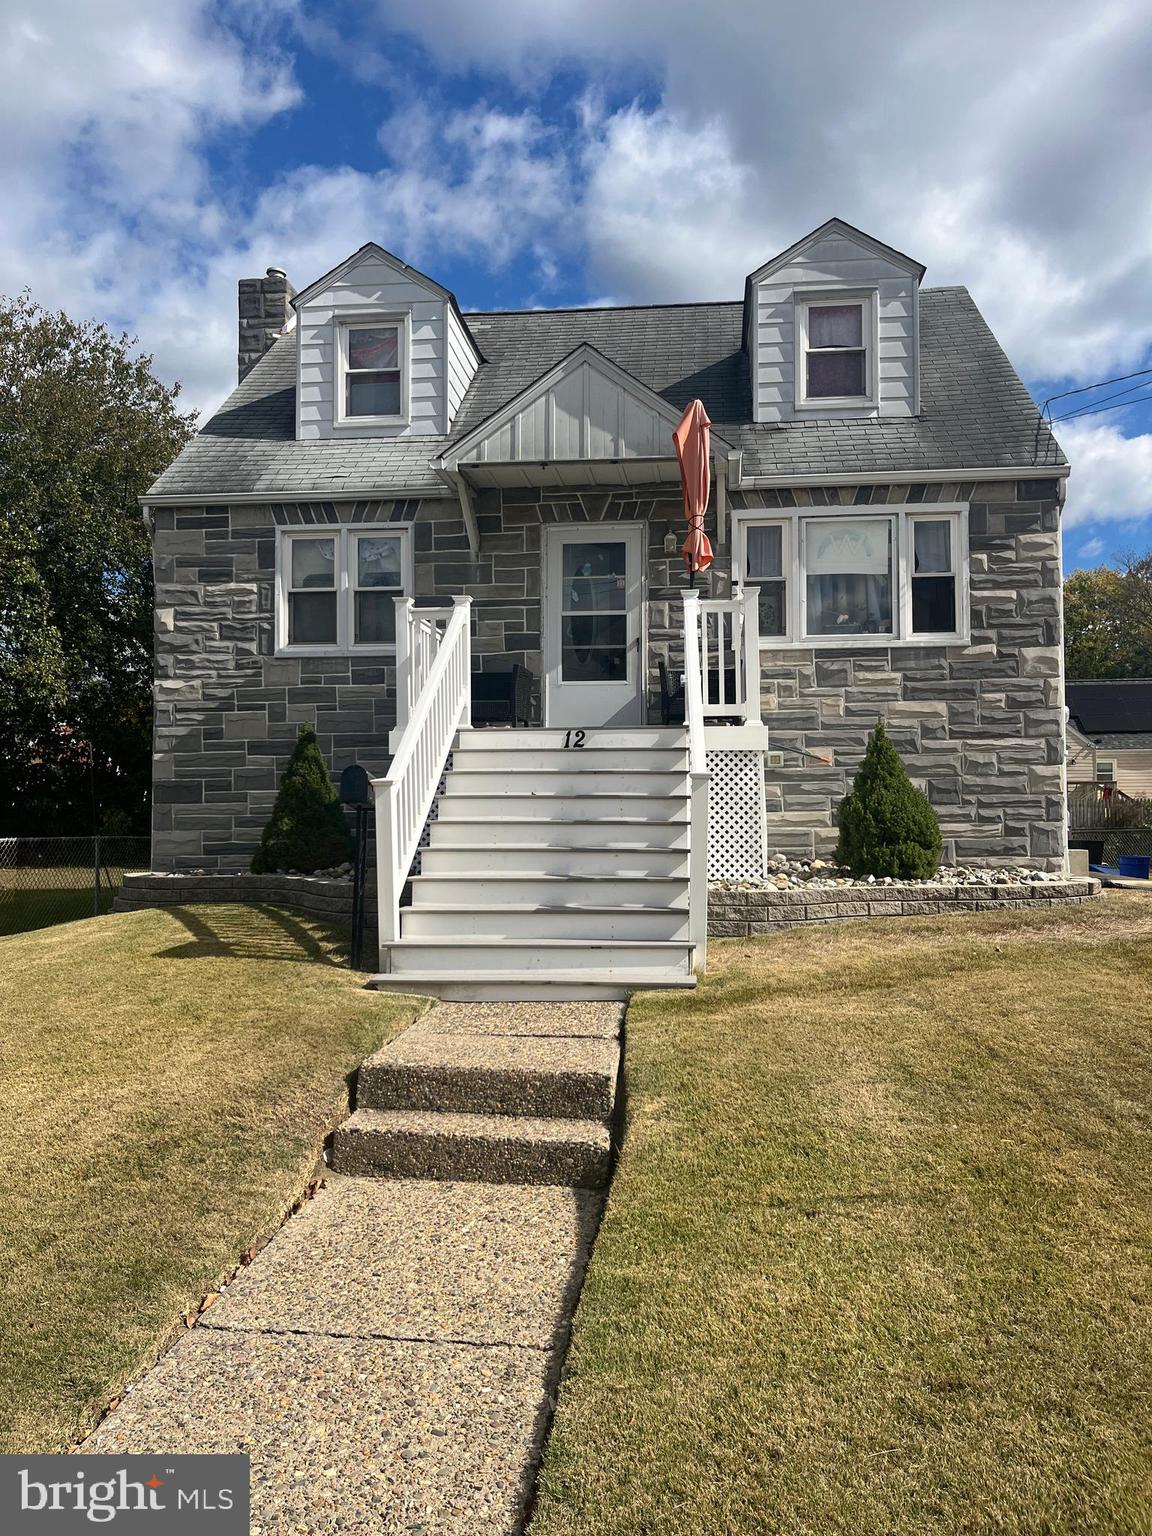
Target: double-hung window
337 588
836 345
373 367
861 576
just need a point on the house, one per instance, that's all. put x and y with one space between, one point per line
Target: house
398 495
1110 735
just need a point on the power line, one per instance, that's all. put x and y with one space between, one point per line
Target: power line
1085 389
1093 410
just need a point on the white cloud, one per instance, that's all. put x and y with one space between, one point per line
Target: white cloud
1001 145
1111 480
1092 550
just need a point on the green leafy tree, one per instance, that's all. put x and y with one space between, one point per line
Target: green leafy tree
1108 620
887 826
307 830
85 426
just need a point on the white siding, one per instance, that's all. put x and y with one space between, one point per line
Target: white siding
584 414
1133 771
1081 759
373 285
830 262
462 362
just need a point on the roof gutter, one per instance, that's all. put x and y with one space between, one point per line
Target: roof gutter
905 476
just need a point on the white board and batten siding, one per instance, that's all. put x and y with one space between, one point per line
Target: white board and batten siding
835 261
441 359
584 413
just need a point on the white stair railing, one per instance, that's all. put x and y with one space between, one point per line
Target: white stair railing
698 779
729 631
433 695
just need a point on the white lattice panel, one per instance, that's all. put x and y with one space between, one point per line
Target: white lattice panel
735 815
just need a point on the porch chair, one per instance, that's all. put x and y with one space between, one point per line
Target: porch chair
502 697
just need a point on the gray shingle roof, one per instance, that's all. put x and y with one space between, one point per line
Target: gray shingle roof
975 412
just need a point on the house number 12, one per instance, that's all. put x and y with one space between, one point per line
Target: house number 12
574 738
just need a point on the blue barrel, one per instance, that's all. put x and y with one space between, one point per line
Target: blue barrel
1135 866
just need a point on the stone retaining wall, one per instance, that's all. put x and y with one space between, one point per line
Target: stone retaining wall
328 900
738 914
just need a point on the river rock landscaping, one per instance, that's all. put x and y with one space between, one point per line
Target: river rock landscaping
782 873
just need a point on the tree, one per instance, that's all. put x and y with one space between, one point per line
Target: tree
307 830
887 826
85 427
1108 620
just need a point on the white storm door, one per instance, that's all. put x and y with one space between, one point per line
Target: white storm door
593 621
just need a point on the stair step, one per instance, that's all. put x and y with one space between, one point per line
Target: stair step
536 739
537 759
572 779
489 831
565 807
496 1149
520 924
465 986
505 886
478 956
533 862
570 1079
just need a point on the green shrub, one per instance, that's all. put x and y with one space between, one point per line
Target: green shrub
887 826
307 830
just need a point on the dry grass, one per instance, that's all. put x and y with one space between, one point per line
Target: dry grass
166 1082
876 1256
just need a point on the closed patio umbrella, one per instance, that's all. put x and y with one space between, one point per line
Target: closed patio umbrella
692 438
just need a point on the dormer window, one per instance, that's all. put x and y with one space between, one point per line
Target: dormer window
836 343
373 365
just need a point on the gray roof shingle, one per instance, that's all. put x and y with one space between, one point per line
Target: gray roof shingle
975 412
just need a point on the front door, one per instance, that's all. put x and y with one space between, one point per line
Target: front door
593 607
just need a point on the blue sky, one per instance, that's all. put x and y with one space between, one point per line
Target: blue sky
537 152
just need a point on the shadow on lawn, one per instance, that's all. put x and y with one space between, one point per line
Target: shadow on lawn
254 933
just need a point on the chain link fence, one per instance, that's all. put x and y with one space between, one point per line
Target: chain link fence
46 880
1106 844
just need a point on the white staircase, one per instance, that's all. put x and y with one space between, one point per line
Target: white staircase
553 871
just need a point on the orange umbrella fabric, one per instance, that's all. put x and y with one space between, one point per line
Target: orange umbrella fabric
692 438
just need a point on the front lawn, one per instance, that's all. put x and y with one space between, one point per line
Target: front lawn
166 1082
876 1257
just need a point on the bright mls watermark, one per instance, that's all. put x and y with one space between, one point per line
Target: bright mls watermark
59 1495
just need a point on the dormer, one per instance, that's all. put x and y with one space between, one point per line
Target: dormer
831 329
382 351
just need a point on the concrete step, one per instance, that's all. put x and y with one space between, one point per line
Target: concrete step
496 1149
498 831
657 809
529 739
509 887
504 921
532 863
466 986
568 779
479 956
573 1079
538 760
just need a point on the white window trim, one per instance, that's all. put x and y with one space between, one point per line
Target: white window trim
867 298
362 321
1101 778
344 534
791 519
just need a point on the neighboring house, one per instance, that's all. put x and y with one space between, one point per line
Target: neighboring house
885 516
1110 735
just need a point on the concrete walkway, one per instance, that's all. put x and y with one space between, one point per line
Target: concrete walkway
389 1360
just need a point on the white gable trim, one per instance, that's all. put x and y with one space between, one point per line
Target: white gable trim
370 252
845 232
581 357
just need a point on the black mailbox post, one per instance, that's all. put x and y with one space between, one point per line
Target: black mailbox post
356 791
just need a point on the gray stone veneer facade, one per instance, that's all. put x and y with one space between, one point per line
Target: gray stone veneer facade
980 726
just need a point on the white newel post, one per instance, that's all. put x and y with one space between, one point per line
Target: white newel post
751 668
387 894
466 604
404 608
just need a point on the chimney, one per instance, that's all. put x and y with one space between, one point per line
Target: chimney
265 310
